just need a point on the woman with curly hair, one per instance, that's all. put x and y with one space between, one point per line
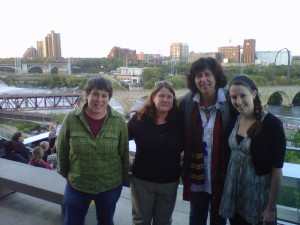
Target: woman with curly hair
207 115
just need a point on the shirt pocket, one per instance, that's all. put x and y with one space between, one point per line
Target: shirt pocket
111 142
78 140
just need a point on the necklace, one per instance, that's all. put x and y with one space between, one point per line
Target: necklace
207 109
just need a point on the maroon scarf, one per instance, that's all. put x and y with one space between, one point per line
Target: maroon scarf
193 171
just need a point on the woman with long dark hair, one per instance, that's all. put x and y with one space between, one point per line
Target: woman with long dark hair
257 144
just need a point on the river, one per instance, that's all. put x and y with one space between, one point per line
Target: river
283 112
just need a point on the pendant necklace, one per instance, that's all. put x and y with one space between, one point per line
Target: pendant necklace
207 109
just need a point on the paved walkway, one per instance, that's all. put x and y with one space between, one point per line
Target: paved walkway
22 209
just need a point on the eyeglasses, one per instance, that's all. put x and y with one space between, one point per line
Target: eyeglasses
163 83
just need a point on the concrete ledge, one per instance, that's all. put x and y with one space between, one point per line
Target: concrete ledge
288 214
4 192
34 181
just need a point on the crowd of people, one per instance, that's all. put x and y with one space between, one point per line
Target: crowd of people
228 151
43 155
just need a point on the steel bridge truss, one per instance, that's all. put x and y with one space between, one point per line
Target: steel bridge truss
40 101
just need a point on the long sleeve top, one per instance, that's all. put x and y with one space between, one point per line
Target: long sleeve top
93 164
158 149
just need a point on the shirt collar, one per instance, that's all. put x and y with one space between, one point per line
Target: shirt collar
220 97
110 111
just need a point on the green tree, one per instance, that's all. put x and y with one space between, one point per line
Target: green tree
72 81
183 68
296 139
292 157
177 81
153 74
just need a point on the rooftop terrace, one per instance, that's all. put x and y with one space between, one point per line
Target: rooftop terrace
17 208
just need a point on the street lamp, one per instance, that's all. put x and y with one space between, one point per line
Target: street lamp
289 65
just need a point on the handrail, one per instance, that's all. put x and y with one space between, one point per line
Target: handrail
292 148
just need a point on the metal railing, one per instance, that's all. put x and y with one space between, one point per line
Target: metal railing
290 185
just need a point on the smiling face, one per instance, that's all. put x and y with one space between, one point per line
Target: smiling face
206 82
97 103
242 99
163 100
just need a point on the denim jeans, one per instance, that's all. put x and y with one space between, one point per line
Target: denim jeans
199 210
76 205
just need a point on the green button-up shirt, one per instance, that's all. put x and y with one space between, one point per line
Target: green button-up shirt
93 164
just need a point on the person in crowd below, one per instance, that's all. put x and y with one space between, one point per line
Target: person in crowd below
37 158
45 146
52 158
57 130
257 144
51 136
93 156
207 116
9 149
157 130
18 139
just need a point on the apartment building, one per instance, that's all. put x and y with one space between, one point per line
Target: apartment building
125 54
179 52
249 51
230 54
194 56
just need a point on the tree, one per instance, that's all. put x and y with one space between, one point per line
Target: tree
153 74
183 68
177 81
296 139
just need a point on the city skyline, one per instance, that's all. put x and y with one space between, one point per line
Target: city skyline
91 28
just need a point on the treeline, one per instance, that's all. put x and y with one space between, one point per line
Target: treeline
46 81
263 75
54 81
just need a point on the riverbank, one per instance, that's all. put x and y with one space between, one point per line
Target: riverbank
7 131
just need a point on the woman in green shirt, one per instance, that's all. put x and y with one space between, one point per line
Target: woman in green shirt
93 156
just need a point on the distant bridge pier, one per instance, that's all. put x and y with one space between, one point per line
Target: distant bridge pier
288 105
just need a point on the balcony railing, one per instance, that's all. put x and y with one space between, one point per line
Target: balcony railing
289 197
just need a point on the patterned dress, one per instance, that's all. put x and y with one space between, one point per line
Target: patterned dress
52 159
244 193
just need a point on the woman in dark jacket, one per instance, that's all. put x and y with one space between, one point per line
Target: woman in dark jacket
18 139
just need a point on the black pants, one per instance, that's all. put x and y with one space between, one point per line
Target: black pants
238 220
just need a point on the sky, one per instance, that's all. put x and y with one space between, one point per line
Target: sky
90 28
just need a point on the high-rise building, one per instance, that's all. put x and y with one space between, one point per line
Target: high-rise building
30 53
249 51
50 47
179 52
39 49
230 54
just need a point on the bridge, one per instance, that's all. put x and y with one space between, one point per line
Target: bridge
40 101
288 93
126 98
23 68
